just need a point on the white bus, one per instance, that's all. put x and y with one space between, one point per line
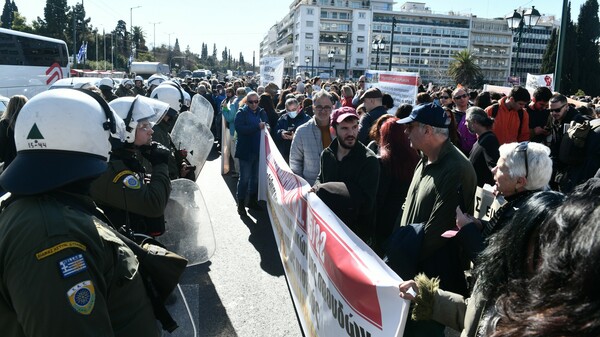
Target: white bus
30 63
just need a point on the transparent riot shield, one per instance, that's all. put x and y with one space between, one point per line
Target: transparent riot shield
202 108
191 134
179 309
189 231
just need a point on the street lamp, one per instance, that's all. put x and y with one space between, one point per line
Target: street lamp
330 57
292 64
517 22
131 25
378 45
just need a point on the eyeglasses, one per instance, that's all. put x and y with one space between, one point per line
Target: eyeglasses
461 96
321 107
252 102
361 81
522 147
444 97
557 109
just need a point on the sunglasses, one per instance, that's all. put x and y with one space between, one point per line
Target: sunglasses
252 102
444 97
522 147
361 81
557 109
461 96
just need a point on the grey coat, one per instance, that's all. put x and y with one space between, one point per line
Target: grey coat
305 153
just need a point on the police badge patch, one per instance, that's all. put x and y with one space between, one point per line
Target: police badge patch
132 182
82 297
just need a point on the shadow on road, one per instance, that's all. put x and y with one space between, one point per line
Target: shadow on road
207 306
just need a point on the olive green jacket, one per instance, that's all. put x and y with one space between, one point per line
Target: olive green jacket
64 273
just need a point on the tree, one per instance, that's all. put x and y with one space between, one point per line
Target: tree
463 68
549 58
8 14
570 60
214 54
176 48
588 32
204 53
55 19
79 24
224 55
20 24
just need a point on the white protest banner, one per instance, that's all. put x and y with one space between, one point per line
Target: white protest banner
486 204
535 81
338 284
271 70
403 87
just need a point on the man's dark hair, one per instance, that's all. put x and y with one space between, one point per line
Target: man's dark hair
387 101
558 99
519 94
542 94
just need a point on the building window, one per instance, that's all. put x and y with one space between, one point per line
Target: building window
310 23
361 27
310 11
362 15
360 39
359 62
308 47
308 36
360 50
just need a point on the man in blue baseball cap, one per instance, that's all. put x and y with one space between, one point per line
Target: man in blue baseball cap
432 199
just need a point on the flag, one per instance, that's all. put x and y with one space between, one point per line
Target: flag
130 59
81 53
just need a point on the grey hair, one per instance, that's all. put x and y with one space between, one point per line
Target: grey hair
538 162
320 94
290 101
441 131
478 115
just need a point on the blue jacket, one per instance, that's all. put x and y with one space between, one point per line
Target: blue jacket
248 131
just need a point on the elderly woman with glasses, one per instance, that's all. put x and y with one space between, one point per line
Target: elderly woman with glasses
522 169
249 121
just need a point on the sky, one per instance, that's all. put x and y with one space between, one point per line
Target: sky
241 25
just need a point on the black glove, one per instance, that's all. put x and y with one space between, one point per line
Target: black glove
156 153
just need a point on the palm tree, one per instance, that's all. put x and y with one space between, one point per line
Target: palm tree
463 69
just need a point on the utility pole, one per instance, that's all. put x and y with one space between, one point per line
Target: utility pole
562 35
392 42
346 58
131 27
154 47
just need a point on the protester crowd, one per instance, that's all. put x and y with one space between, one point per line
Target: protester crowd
385 173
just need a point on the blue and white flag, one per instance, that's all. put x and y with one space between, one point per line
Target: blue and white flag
82 52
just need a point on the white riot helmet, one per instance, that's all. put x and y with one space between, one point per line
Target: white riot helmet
170 93
61 136
128 82
155 80
134 109
106 81
139 78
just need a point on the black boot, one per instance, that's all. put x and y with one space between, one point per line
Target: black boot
253 203
241 209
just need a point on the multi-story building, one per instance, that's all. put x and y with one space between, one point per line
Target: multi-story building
424 41
491 43
335 38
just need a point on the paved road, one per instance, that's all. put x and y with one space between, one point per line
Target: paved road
242 290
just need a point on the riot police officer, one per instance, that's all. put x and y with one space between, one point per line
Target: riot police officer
131 197
63 272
